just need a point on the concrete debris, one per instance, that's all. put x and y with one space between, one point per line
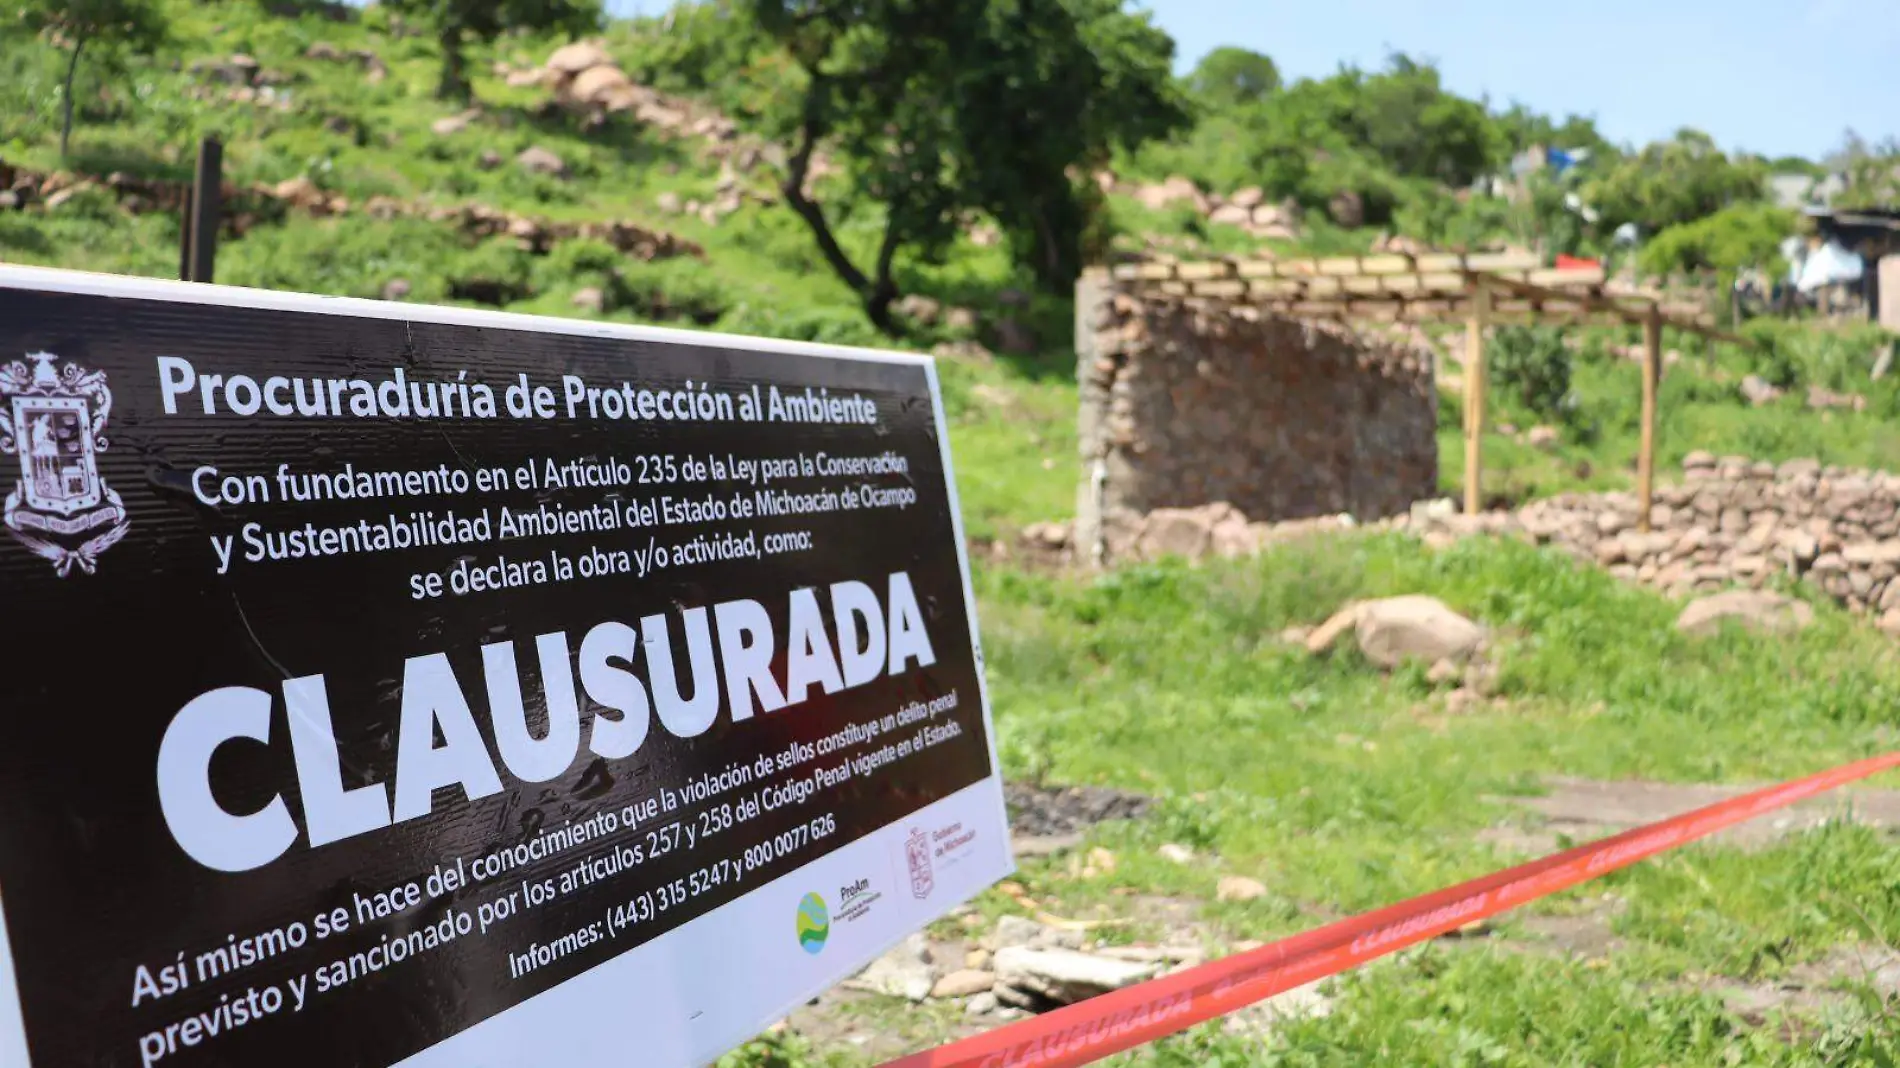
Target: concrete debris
1066 976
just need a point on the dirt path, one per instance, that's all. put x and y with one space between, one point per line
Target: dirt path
1585 809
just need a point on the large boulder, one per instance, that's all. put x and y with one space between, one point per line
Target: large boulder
1757 610
1232 214
1217 528
1415 627
1066 976
602 85
1184 532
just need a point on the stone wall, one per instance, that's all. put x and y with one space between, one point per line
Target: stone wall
1185 404
1730 521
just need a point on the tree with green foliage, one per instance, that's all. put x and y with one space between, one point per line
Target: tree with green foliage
1872 172
1521 128
938 108
1389 136
1737 237
456 22
1532 364
1673 182
1229 76
106 26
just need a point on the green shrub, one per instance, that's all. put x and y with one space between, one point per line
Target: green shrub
496 272
1532 364
1738 236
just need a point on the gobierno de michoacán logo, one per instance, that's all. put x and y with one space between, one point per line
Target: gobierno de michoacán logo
814 923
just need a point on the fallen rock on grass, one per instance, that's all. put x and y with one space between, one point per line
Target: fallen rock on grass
1415 627
1756 610
1239 888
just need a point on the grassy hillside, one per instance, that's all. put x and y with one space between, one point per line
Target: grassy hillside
1339 787
1342 789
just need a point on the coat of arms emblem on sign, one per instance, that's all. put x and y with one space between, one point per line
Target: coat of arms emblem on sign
54 419
917 853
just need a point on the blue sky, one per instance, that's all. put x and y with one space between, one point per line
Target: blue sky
1780 77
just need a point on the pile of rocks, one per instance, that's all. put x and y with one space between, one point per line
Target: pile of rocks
372 65
585 78
1245 208
245 207
1023 966
241 79
1020 966
1731 521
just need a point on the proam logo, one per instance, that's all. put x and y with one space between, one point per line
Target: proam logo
855 900
814 923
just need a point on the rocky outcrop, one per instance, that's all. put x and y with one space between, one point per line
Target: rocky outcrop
585 79
1244 208
245 207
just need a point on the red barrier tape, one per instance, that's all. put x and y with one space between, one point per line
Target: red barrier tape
1096 1028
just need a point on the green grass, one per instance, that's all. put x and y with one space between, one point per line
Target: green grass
1343 789
1699 406
1339 787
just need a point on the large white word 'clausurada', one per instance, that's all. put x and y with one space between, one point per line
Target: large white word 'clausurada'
873 639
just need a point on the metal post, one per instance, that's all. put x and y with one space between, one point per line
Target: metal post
206 207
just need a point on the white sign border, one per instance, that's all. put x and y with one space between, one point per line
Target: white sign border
13 1048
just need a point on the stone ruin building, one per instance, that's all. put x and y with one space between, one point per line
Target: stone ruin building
1187 402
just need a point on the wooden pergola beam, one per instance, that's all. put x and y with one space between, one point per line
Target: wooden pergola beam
1331 266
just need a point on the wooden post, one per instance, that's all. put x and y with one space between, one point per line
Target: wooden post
1646 458
201 224
1474 396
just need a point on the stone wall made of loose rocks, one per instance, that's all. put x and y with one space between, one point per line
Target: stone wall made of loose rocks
1187 403
1730 521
